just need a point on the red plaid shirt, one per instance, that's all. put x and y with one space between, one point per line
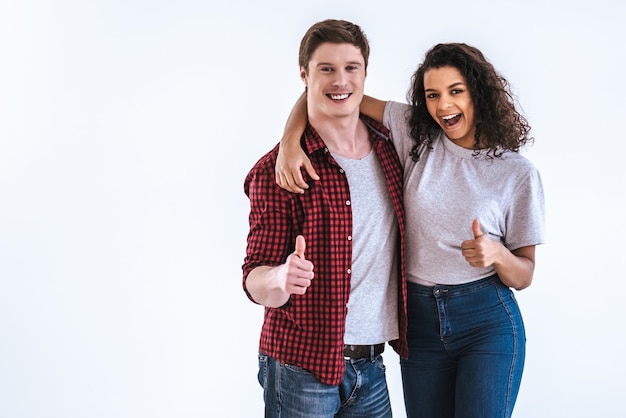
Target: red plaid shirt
308 330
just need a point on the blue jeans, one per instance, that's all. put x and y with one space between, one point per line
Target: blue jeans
292 392
466 351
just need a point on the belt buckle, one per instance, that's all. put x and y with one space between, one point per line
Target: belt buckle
360 351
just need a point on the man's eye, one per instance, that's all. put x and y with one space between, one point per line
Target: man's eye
326 69
352 68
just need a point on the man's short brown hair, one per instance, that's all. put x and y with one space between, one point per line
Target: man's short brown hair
334 31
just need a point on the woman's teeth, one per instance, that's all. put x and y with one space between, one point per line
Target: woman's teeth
451 119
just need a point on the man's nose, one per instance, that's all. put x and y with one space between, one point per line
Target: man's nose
340 78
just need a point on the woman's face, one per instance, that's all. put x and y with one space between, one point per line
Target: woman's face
449 103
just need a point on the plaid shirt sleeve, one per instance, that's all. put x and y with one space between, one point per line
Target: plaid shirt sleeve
271 237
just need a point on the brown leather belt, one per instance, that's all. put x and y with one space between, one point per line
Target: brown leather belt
363 351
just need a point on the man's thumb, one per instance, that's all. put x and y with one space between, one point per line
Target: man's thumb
476 229
300 246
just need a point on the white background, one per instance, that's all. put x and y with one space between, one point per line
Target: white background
126 130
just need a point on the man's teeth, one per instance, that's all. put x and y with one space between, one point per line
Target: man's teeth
339 96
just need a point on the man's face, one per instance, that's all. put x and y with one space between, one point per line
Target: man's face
335 81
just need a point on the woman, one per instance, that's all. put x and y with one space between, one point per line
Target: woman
474 214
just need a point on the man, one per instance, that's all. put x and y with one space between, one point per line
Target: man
327 265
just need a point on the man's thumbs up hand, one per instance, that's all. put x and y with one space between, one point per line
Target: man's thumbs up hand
296 274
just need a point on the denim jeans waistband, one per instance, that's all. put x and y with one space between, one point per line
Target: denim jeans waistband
453 290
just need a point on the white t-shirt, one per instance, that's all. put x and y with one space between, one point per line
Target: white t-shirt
447 189
373 305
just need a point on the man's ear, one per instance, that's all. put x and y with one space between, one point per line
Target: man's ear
303 75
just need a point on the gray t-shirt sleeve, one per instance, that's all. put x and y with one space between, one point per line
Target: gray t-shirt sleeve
395 119
526 215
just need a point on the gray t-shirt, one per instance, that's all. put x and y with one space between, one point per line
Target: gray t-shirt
373 305
447 189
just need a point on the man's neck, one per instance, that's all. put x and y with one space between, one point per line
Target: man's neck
346 136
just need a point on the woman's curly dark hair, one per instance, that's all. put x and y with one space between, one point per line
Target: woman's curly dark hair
499 126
